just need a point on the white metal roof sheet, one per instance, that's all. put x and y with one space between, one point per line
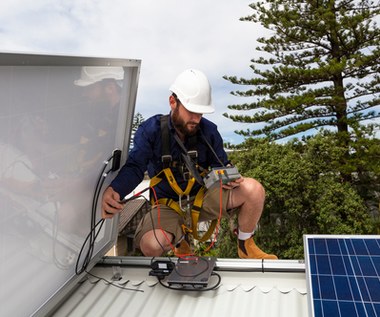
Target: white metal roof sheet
240 292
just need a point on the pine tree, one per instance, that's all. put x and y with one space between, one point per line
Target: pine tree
319 67
137 120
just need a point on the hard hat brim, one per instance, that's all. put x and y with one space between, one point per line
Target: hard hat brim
84 83
201 109
93 74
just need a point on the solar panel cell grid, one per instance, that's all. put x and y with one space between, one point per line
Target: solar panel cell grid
343 275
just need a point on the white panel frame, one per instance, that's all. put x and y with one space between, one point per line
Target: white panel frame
122 140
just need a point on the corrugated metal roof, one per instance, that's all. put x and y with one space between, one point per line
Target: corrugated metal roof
243 292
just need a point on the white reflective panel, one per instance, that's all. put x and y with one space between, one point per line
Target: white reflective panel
58 124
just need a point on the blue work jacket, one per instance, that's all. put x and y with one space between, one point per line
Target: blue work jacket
146 156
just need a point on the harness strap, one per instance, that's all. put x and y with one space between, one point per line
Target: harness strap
166 172
172 182
165 147
165 137
171 204
195 213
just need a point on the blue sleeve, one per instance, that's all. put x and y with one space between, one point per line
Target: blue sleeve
132 173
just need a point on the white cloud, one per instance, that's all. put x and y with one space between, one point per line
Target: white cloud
168 36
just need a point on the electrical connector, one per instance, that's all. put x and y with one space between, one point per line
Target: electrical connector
161 268
116 159
227 174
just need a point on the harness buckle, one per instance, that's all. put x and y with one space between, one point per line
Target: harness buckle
166 159
186 175
193 154
186 210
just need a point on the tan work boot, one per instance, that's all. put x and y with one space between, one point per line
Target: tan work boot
247 249
182 248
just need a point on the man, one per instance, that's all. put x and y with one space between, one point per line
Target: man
101 85
101 89
167 223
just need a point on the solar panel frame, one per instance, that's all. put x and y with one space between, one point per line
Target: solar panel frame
343 275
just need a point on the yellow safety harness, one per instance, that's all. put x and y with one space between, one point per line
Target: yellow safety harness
176 206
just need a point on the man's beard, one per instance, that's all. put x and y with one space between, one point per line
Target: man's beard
181 125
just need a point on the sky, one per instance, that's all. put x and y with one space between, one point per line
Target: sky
168 36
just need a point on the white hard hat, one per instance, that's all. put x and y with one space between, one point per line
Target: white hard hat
194 91
92 74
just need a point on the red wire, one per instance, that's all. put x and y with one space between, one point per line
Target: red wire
219 218
159 218
216 229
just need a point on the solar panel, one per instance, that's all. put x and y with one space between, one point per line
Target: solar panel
343 275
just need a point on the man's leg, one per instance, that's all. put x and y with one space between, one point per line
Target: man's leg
155 242
158 231
249 197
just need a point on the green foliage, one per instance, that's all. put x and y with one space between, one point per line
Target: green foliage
339 209
222 244
363 161
227 243
305 192
320 67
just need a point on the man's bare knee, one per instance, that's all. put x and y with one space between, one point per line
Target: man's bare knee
258 188
154 243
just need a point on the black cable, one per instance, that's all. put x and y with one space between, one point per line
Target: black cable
90 249
112 284
125 200
150 214
212 150
98 187
154 232
94 232
155 199
91 237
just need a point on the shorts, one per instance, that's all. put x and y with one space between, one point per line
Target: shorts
165 218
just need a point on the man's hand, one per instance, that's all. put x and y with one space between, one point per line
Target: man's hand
111 203
235 183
